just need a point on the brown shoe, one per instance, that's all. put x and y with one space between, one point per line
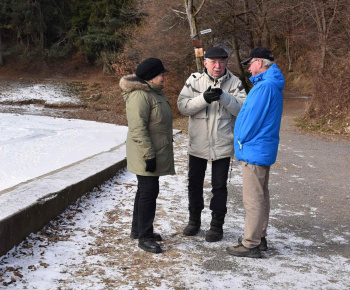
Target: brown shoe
242 251
262 246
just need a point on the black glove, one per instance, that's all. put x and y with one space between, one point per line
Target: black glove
211 95
151 165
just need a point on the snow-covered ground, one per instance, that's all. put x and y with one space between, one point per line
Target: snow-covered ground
48 93
31 146
88 246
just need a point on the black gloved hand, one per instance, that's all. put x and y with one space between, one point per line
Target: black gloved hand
211 95
151 165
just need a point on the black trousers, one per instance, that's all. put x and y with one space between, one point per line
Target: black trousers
196 174
145 205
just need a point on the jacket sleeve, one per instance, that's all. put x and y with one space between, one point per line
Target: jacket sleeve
189 104
138 109
234 99
255 113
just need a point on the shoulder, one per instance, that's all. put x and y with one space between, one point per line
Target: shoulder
130 83
231 77
195 77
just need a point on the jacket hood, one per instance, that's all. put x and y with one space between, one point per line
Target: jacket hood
132 83
272 74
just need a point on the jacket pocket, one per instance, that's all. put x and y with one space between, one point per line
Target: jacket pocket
160 142
225 130
200 115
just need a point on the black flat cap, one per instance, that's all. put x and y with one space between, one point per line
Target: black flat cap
259 52
216 52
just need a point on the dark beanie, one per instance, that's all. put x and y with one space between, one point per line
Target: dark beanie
150 68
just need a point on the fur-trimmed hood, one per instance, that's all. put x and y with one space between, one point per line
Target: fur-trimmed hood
131 83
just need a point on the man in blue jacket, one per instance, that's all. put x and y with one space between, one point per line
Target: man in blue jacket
256 138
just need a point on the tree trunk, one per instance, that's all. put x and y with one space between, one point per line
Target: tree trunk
236 54
287 42
249 32
1 58
191 17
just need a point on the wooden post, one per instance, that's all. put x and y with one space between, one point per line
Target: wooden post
198 51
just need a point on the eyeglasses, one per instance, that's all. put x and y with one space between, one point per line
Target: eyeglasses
214 62
250 63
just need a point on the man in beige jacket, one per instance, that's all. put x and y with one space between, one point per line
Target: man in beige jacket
212 99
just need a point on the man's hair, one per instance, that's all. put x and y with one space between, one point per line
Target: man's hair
267 63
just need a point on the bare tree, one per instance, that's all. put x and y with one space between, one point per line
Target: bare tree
323 14
191 12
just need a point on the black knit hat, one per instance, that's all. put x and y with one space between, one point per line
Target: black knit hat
216 52
259 52
150 68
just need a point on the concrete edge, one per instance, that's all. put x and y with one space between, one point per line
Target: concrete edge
17 226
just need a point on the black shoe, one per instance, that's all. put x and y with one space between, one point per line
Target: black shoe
150 245
262 246
214 236
242 251
156 237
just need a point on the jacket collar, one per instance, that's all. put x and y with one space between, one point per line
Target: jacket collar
272 74
226 76
154 87
131 83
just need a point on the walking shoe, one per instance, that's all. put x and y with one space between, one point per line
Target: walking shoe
262 246
156 237
150 245
242 251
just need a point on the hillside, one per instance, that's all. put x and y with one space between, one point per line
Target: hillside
99 92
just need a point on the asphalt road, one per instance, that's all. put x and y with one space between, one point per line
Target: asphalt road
311 177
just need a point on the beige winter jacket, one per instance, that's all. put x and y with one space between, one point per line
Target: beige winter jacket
211 126
150 131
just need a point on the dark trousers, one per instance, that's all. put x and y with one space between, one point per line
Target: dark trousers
145 205
196 174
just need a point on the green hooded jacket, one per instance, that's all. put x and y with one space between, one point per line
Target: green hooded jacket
150 132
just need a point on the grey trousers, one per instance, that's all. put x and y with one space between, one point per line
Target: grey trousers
256 200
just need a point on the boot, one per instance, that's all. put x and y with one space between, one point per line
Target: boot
215 233
194 223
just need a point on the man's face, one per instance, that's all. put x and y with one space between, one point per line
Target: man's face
255 66
216 66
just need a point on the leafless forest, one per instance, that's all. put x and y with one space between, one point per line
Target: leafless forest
309 38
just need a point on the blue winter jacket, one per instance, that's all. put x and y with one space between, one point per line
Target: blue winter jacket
256 133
